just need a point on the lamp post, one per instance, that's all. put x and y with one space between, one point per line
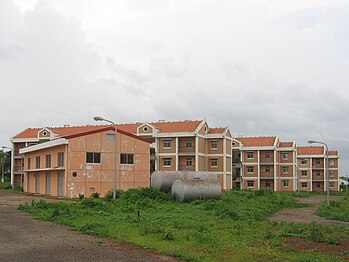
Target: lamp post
327 173
3 166
98 118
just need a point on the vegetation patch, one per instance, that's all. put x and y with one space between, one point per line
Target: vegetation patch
338 210
234 228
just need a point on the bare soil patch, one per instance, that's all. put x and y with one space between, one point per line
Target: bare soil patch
307 214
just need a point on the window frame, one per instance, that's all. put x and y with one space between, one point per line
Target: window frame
304 183
285 169
267 169
189 143
304 161
250 186
267 155
168 160
249 154
48 163
250 167
214 160
37 162
304 171
60 160
165 141
189 160
285 183
94 154
285 156
214 142
129 159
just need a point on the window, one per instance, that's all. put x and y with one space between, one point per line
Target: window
317 161
92 189
267 155
126 159
110 137
166 143
285 156
267 170
189 143
189 161
331 184
37 162
304 161
28 167
331 162
317 184
331 173
304 173
285 170
250 184
250 169
166 162
92 157
145 129
267 183
318 173
285 183
214 162
249 155
214 145
48 161
304 184
60 159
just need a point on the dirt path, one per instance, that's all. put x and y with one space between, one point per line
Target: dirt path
24 238
307 214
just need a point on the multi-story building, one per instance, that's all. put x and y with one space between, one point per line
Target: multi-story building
264 162
83 163
311 161
183 145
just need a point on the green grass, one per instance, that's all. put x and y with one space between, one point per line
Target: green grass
5 185
338 210
234 228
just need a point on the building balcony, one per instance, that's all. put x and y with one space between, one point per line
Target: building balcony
45 169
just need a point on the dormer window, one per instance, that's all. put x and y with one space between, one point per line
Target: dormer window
44 133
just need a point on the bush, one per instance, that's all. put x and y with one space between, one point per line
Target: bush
5 185
95 195
135 195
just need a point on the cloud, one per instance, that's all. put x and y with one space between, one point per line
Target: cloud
262 67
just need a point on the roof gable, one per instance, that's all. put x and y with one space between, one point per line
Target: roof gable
257 141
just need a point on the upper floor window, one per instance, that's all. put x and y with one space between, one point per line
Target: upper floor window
317 173
285 156
38 162
267 155
189 143
267 170
250 155
166 143
304 173
317 161
110 137
92 157
331 162
28 163
60 159
48 161
285 169
214 145
331 173
126 159
304 161
250 169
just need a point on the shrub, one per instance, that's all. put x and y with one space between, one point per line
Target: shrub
81 196
95 195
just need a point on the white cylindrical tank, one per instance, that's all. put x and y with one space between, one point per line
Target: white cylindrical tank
192 189
163 180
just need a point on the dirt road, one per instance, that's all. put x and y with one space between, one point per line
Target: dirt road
22 238
307 214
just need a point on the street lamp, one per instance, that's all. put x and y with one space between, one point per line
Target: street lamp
98 118
327 173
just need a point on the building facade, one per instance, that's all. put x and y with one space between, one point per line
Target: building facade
83 163
311 173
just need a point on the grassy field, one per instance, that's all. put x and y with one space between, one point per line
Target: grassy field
338 210
234 228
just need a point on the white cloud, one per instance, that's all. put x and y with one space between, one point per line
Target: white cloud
261 67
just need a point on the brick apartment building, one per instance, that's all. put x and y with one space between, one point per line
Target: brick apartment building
183 145
264 162
311 162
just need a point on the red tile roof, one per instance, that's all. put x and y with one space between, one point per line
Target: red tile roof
310 150
333 153
163 127
257 141
218 130
286 144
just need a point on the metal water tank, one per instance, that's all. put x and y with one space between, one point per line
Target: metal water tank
163 180
192 189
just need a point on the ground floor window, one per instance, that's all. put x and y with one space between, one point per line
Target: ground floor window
267 183
126 159
250 169
317 184
250 184
166 162
285 183
331 184
189 161
214 162
304 184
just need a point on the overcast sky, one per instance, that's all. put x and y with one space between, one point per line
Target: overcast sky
261 67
